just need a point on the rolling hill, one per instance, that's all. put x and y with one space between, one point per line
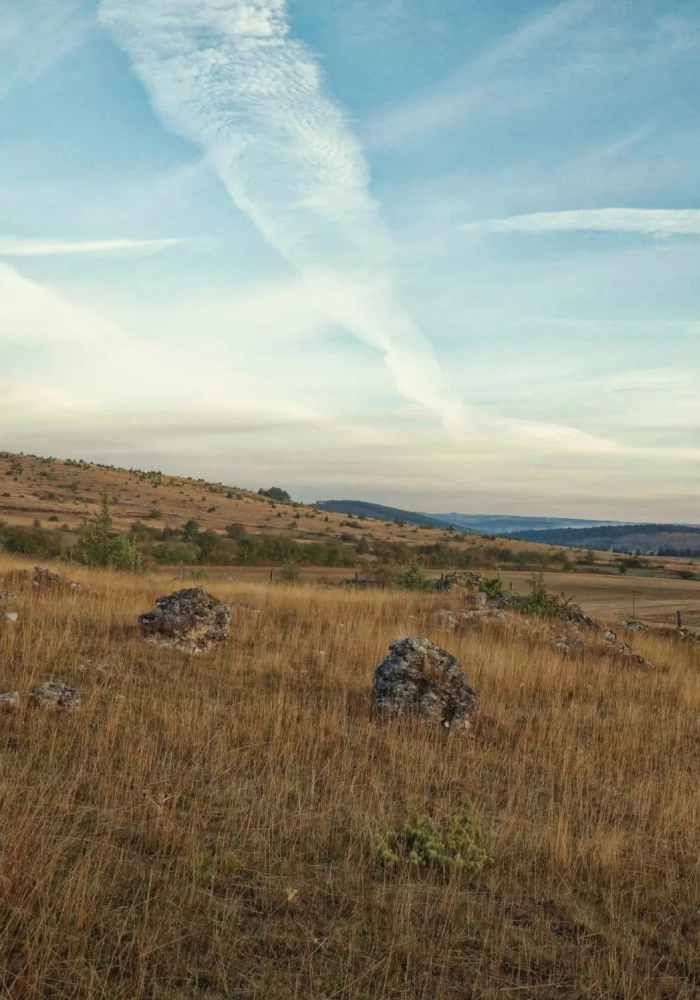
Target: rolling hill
662 539
482 524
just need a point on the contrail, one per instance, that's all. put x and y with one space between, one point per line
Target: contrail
657 222
227 75
11 246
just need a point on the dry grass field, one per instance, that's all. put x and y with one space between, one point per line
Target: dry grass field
208 826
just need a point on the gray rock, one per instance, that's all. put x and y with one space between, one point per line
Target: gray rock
10 616
422 680
458 581
55 694
633 626
189 620
568 643
579 619
447 618
627 653
9 700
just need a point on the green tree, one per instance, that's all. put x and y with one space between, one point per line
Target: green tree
97 544
191 530
94 542
275 493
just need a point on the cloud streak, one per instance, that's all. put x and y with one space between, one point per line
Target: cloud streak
659 223
31 313
483 81
227 75
35 35
11 246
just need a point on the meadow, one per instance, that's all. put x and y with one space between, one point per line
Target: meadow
210 826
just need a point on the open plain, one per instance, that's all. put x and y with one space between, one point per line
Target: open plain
211 826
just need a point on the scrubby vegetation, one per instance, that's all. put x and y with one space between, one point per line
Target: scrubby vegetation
145 546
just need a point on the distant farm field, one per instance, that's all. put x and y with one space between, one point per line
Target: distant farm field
602 595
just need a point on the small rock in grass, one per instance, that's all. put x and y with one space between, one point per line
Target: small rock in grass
55 694
633 626
567 643
626 651
10 616
9 700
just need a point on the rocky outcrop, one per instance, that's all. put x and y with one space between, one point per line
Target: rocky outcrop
578 619
468 582
419 679
55 694
626 652
41 578
189 620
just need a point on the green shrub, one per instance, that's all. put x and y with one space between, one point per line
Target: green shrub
457 843
289 573
540 601
414 579
493 587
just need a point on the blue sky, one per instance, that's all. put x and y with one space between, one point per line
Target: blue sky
437 253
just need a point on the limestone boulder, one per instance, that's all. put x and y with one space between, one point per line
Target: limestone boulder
419 679
189 620
55 695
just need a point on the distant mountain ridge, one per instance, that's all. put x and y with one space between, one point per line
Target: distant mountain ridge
480 524
648 539
376 511
500 524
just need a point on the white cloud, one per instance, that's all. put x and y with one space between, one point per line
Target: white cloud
226 74
11 246
656 222
31 313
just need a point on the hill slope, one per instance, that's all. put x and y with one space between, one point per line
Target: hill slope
379 512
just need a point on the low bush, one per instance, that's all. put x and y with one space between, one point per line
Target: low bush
457 843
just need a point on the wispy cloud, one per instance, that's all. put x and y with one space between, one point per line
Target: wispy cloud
35 35
32 313
227 75
481 81
11 246
657 222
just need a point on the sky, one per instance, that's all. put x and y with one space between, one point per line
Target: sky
441 254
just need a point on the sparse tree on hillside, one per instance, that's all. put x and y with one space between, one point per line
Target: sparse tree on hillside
276 493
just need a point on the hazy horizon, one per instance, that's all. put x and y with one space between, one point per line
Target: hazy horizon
434 255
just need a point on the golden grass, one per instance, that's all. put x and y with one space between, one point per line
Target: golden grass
204 827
